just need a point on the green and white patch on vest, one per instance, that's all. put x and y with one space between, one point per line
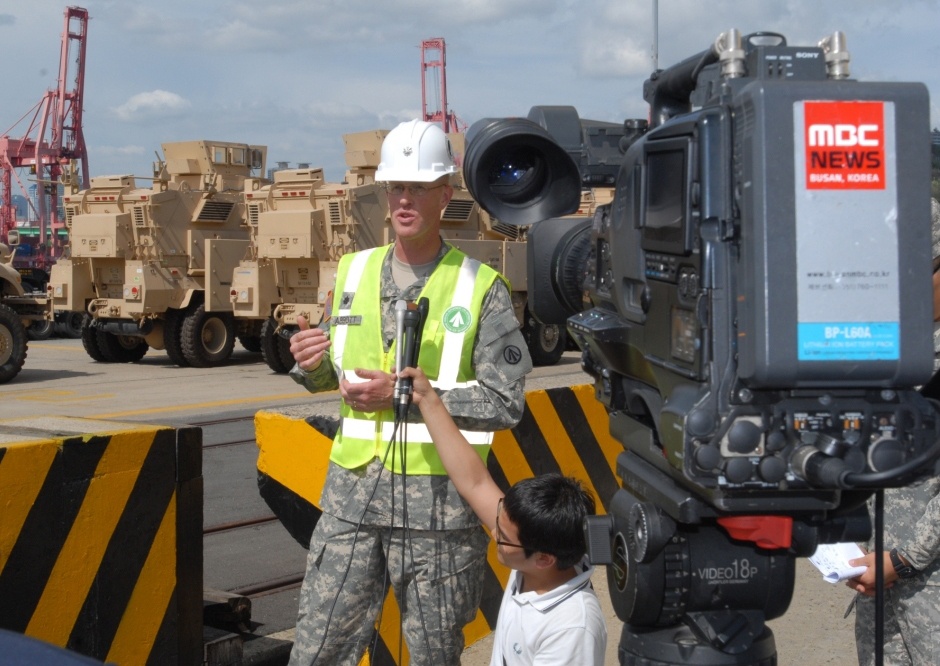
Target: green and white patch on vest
457 319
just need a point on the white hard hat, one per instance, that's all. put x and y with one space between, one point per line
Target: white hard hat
415 152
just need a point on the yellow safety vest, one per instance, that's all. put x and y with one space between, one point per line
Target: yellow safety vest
455 292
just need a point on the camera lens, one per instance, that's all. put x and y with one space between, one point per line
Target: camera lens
516 177
518 173
510 172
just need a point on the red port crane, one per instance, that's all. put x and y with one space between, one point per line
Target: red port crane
434 76
52 141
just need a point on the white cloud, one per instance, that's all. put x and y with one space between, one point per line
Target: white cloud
156 103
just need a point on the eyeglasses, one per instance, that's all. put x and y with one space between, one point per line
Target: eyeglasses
397 189
499 532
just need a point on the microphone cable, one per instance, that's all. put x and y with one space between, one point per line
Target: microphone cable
342 583
396 445
407 354
407 538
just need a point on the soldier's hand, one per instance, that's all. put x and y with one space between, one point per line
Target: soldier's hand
308 345
865 582
370 390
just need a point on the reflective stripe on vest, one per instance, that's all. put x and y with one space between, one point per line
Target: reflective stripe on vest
338 337
455 289
451 354
365 429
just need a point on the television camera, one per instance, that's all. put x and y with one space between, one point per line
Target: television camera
755 308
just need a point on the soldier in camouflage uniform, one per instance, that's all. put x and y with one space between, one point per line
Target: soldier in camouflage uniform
912 599
411 531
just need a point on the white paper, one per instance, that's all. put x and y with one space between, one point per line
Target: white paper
832 560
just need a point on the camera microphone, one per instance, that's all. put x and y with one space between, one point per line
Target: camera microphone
409 346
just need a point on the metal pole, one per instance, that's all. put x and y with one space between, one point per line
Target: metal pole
655 35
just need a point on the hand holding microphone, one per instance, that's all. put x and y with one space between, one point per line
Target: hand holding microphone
410 325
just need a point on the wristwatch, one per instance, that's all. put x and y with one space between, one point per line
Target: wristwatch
900 568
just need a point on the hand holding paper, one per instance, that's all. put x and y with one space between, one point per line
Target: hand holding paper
832 560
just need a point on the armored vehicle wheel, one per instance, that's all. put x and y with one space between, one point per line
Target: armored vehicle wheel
12 344
121 348
40 330
546 342
208 337
69 325
251 343
275 350
90 340
249 335
173 336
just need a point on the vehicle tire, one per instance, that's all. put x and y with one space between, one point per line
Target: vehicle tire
12 344
251 343
40 330
546 342
70 325
208 337
90 340
275 350
121 348
173 336
250 336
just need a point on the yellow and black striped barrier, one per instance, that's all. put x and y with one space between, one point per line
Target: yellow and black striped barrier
562 430
101 538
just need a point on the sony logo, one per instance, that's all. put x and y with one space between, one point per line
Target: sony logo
843 135
807 54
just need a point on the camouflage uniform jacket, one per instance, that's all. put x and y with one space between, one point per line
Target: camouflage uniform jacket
912 513
912 525
500 360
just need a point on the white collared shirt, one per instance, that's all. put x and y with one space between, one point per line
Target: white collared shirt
564 626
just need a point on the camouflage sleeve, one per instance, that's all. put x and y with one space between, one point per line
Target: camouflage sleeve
501 361
321 378
923 548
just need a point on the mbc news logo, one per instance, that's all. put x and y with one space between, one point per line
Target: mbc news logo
845 136
844 145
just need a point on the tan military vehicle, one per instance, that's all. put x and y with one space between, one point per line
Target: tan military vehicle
152 266
19 311
301 226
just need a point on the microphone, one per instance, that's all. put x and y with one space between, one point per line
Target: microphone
410 346
401 307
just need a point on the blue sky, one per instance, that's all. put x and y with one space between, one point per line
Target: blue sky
296 75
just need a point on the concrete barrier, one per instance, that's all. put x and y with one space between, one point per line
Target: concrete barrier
101 538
